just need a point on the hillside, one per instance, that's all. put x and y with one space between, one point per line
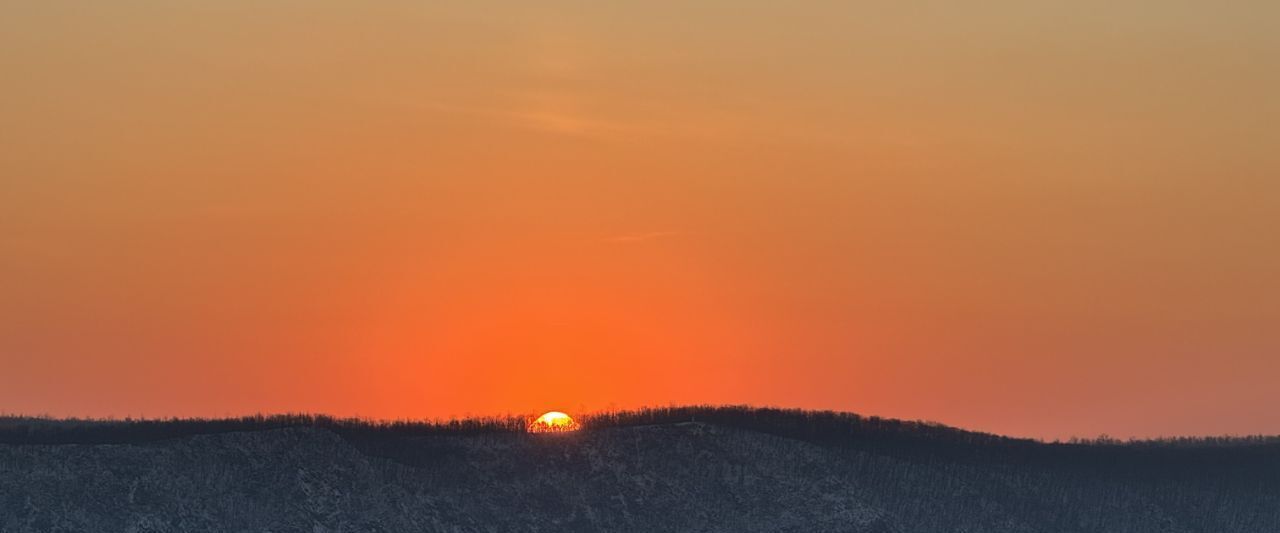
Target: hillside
691 469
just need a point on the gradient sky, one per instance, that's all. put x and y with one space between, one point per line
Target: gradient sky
1033 218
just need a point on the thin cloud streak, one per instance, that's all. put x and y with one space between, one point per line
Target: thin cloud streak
640 236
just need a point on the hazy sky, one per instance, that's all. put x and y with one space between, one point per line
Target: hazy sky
1034 218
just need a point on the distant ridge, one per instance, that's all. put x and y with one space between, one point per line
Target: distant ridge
831 427
695 468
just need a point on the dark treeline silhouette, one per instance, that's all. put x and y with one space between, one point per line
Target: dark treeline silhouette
39 430
813 426
826 427
926 475
1247 460
1252 461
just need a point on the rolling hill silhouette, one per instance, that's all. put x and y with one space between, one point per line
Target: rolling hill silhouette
730 469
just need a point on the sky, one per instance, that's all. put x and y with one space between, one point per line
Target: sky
1044 219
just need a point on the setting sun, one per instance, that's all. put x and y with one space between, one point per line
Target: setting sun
553 422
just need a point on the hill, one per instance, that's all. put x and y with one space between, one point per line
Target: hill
731 469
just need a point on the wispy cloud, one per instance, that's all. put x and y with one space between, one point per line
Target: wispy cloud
639 236
541 118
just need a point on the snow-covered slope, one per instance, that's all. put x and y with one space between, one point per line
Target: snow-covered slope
675 477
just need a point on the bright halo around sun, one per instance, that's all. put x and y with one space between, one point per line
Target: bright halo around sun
553 422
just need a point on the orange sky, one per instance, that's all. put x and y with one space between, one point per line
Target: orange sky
1034 220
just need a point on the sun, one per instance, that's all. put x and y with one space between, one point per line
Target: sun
553 422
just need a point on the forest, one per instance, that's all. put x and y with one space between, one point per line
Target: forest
917 440
690 468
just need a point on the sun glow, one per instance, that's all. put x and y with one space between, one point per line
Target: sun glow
553 422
